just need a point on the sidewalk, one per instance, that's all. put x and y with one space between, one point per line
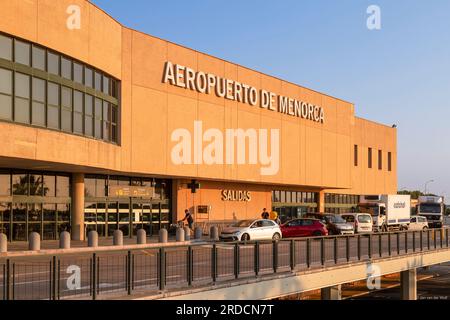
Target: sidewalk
54 244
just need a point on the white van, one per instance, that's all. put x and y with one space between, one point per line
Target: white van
362 222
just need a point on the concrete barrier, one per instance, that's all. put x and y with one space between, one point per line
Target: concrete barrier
92 239
3 243
180 235
118 238
64 240
163 235
214 233
141 236
187 233
34 241
198 233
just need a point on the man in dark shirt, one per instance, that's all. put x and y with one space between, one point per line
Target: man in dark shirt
189 218
265 214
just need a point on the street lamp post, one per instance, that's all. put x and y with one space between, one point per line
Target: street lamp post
426 183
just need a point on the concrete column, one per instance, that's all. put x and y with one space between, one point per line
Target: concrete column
321 201
198 233
118 238
64 240
187 233
180 235
77 206
141 236
34 241
332 293
92 238
214 233
3 243
408 284
163 236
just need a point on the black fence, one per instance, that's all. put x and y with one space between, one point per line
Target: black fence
119 273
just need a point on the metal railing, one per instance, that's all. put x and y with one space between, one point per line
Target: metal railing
121 272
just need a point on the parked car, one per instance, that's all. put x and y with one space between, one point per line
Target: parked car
335 224
418 223
362 222
303 228
245 230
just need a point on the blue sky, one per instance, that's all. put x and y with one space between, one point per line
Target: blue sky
399 74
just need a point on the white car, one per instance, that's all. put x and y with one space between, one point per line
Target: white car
418 223
246 230
362 222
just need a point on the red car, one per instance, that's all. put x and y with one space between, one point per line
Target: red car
303 228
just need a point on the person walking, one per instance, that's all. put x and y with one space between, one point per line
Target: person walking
265 214
188 217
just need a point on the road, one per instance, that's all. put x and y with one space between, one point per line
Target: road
31 276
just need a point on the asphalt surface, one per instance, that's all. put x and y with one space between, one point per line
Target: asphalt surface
74 276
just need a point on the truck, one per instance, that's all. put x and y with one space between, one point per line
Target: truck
433 208
389 212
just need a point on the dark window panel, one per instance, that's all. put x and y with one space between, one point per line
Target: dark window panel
66 120
62 186
78 123
38 113
20 184
53 117
78 101
88 77
66 68
38 90
78 73
22 110
105 85
53 63
88 105
66 97
49 186
5 48
98 81
22 52
5 81
88 126
22 85
5 184
38 58
53 93
5 107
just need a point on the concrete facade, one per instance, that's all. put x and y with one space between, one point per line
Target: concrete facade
314 156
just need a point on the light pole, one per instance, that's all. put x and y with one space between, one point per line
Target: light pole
426 183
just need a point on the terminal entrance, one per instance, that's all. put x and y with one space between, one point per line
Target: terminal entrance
129 217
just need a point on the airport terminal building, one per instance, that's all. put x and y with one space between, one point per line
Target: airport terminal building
104 127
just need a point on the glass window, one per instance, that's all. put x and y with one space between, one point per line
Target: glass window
88 118
63 212
5 187
38 113
5 94
105 85
36 185
380 160
78 112
22 52
78 73
49 212
62 186
53 105
88 75
89 187
98 81
66 97
369 155
38 90
38 106
22 85
34 214
53 63
100 190
20 184
78 101
66 68
66 110
389 161
5 48
22 102
49 186
114 88
38 58
98 118
5 81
